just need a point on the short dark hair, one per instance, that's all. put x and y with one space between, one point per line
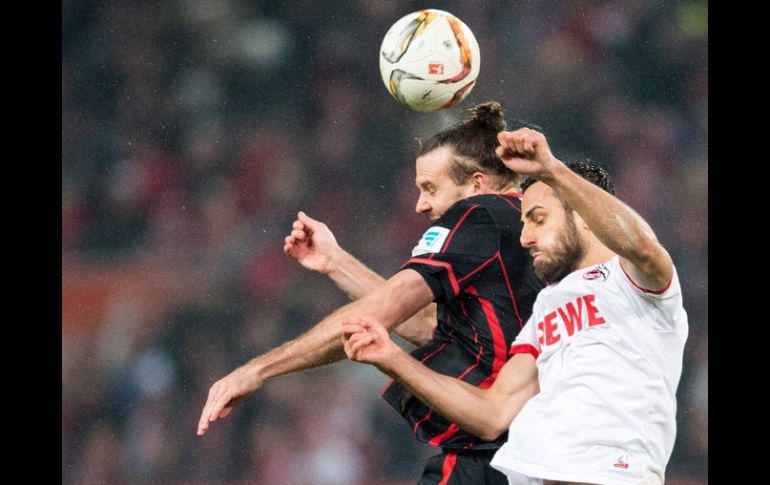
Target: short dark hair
588 169
474 140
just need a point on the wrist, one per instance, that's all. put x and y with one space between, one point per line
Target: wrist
256 370
393 357
337 262
554 174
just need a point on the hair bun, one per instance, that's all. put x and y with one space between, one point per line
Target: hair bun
489 114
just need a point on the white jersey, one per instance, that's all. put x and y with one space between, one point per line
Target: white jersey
609 358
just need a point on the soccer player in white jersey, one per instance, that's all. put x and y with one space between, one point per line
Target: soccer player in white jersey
589 392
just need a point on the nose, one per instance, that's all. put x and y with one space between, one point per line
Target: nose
527 238
422 206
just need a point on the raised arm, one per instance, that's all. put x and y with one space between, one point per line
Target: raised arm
613 222
313 245
486 413
393 302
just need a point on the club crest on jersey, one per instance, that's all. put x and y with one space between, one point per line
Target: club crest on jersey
431 241
621 462
600 271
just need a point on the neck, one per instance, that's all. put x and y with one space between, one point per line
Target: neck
509 188
597 253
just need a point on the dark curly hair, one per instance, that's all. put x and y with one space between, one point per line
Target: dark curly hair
589 170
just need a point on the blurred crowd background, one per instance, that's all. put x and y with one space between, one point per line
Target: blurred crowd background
194 130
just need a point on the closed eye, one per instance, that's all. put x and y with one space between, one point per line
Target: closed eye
535 215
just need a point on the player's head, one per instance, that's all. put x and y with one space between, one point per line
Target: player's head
554 233
460 161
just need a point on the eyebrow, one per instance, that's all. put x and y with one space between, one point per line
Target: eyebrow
533 209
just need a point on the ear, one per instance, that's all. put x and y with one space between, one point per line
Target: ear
579 222
480 183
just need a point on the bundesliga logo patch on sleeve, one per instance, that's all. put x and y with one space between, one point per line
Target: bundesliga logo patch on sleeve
431 241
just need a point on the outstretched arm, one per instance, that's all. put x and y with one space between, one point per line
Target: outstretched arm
613 222
313 245
393 302
486 413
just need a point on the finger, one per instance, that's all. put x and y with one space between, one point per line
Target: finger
528 143
203 422
355 347
348 319
306 218
299 234
507 148
217 406
516 143
503 138
350 329
358 336
288 245
375 327
225 412
298 225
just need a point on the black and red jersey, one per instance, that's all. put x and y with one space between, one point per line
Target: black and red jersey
484 285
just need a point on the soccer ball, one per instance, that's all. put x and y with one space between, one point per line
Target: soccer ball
429 60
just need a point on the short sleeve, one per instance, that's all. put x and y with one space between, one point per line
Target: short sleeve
671 287
526 342
456 249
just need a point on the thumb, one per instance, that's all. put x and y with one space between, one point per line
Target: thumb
306 219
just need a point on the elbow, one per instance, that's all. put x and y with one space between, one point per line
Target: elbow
655 261
495 426
492 431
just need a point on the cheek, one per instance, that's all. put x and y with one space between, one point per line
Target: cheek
546 240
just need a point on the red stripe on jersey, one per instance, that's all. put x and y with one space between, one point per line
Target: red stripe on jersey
449 464
498 338
430 411
524 349
514 194
481 266
451 431
509 202
422 361
384 389
645 290
450 271
510 291
446 244
418 423
433 353
478 355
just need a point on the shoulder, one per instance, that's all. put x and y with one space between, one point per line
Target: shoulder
505 201
470 210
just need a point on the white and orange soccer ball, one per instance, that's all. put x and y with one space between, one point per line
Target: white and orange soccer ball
429 60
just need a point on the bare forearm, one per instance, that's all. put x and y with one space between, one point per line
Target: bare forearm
317 347
419 329
613 222
480 412
400 297
352 276
357 280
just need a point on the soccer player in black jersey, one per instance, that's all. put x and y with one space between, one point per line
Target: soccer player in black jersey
469 262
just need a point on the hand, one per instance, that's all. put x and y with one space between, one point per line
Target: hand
311 244
227 393
526 151
366 340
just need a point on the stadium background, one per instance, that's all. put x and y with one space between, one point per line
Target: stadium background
192 132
